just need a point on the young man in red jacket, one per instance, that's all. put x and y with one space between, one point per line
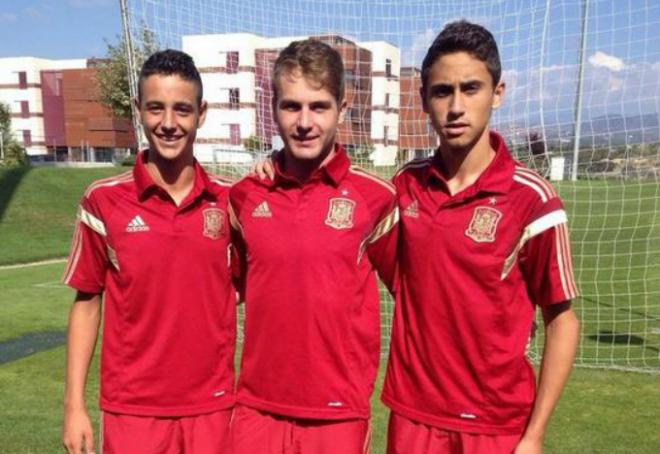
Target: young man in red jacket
151 249
309 242
484 241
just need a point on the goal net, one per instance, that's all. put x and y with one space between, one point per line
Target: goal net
582 108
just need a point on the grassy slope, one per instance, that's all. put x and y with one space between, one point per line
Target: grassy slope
38 208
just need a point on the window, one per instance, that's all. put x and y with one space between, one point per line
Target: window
22 80
234 98
25 109
58 85
388 68
387 100
352 115
232 62
350 79
235 134
386 131
27 138
362 82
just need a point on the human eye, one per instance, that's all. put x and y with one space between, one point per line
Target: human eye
289 106
440 91
154 107
471 88
183 110
320 107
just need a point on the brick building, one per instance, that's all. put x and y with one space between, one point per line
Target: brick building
236 70
416 136
56 111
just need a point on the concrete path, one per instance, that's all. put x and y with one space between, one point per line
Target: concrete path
29 264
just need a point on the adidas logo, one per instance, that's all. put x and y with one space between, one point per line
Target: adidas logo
262 211
412 210
137 225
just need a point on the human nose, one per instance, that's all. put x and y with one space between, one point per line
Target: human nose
456 107
169 121
304 119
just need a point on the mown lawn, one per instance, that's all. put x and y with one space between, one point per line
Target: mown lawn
38 210
602 411
615 231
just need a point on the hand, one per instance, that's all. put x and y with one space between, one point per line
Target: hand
529 446
77 433
264 169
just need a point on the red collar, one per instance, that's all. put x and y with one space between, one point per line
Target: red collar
497 178
334 170
146 186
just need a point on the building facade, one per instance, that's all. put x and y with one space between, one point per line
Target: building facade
55 109
236 73
21 88
416 136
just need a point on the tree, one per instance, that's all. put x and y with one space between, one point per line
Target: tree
14 153
5 122
112 72
535 143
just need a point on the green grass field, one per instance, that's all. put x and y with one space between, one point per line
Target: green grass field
38 209
601 412
615 233
616 248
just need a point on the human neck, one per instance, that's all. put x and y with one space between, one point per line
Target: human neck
462 167
176 177
302 169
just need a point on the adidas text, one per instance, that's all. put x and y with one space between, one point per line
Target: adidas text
137 225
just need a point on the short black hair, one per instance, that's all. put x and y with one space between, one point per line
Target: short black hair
170 62
464 36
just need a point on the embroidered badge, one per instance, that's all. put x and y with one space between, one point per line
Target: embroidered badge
340 213
483 224
214 222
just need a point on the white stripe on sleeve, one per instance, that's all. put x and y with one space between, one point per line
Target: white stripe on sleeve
537 227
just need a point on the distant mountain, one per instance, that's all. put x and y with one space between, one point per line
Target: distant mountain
606 130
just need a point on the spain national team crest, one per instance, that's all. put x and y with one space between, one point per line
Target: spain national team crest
214 222
340 213
483 224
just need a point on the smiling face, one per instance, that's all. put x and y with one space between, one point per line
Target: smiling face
459 97
170 115
307 116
